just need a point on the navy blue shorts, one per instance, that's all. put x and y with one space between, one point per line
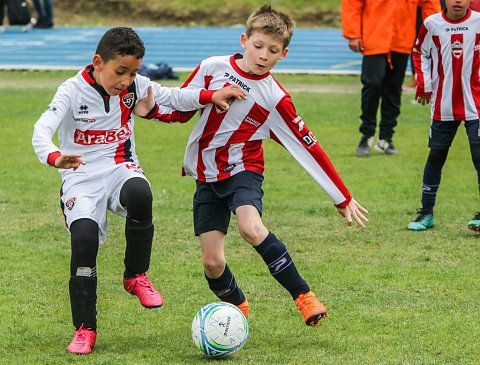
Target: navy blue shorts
214 202
442 133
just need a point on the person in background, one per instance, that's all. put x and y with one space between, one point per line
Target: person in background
422 14
384 32
446 61
44 10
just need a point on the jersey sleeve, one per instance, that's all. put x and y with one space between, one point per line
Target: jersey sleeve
46 126
173 97
421 55
291 132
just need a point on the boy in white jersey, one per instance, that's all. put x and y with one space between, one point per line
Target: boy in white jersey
224 154
446 56
100 170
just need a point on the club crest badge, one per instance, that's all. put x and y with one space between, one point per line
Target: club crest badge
70 203
128 99
457 49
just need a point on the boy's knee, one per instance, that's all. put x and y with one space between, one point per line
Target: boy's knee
214 266
253 233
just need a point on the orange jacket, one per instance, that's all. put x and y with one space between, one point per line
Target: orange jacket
383 25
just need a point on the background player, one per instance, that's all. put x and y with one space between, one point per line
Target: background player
225 156
100 169
447 62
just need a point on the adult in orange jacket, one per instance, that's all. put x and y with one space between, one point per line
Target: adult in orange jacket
384 32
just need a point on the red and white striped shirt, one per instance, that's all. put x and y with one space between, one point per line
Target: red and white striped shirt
223 144
446 57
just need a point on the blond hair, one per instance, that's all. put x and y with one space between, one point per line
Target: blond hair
272 22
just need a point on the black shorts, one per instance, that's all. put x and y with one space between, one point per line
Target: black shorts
442 133
213 202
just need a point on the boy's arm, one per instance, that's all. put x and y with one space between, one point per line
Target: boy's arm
421 62
186 99
149 109
47 152
290 130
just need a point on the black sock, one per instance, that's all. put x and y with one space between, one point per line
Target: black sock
83 301
225 288
139 237
431 181
281 265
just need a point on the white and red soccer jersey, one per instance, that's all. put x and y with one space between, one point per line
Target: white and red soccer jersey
224 143
446 56
99 126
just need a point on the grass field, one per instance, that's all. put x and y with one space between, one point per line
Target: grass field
394 296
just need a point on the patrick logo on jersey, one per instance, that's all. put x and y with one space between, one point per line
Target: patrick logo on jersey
90 137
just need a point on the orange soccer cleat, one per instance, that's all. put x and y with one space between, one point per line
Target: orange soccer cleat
244 308
312 309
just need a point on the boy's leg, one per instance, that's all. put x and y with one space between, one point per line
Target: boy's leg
83 284
272 250
136 197
279 262
219 277
440 140
472 128
83 273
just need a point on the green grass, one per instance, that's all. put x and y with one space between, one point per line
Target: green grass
394 296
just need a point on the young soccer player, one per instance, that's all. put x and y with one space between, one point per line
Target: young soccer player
225 156
447 62
100 170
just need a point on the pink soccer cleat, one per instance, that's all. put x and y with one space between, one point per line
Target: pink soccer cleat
83 341
144 290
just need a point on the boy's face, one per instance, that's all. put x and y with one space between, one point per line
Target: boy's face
116 74
262 51
456 9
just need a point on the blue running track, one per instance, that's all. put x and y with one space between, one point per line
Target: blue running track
311 50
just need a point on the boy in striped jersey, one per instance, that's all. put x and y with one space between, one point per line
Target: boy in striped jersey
93 112
446 56
225 156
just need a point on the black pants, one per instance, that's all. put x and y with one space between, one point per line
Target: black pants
380 81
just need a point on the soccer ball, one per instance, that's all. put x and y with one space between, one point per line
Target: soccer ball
219 329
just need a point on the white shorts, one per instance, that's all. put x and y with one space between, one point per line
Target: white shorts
89 194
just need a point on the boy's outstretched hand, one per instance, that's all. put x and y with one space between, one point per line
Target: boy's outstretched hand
69 161
223 96
353 211
145 105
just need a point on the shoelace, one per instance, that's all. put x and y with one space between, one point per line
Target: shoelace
421 215
305 302
80 335
144 282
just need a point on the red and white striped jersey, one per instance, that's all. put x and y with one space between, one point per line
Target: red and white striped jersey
224 143
96 125
446 57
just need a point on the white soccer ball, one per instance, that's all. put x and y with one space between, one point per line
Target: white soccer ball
219 329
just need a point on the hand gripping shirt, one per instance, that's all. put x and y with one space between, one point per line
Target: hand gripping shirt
224 143
446 57
99 126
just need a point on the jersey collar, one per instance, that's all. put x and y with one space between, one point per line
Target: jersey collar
444 12
243 73
87 74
